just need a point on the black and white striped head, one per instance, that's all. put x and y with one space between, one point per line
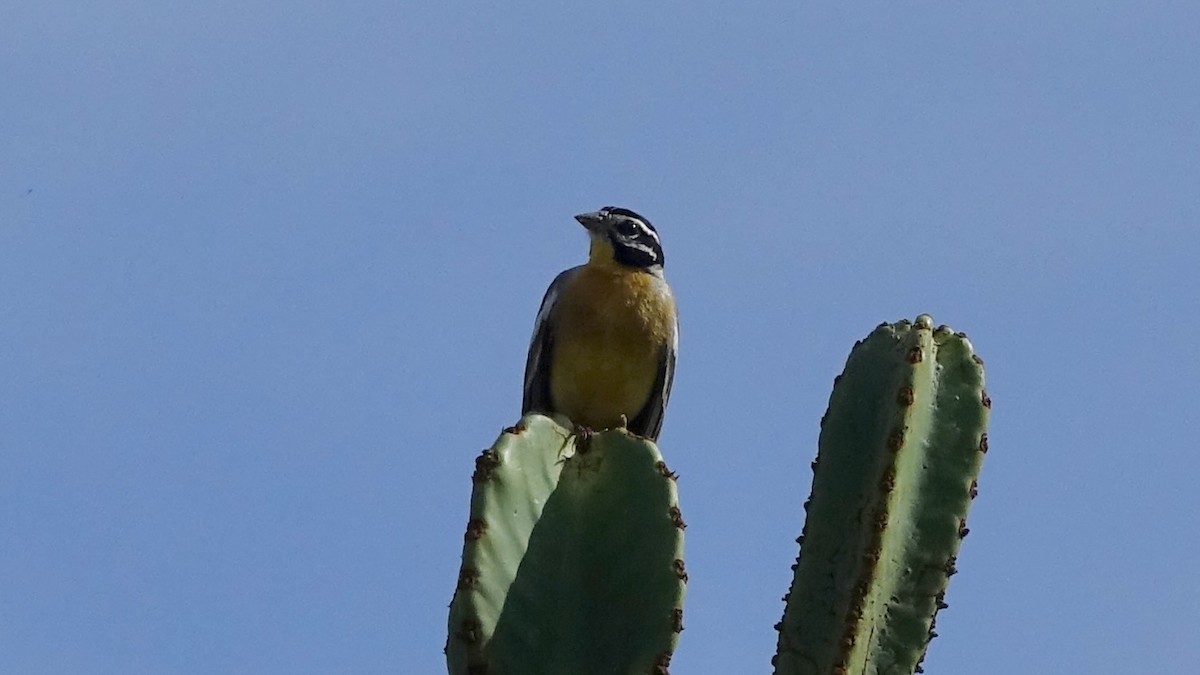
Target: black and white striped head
631 238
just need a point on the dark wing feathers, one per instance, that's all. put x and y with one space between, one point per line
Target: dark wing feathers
649 421
537 364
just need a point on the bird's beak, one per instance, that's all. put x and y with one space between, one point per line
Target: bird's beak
592 221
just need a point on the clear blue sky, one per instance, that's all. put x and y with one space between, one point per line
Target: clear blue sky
268 273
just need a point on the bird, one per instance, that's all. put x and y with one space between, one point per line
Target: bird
607 332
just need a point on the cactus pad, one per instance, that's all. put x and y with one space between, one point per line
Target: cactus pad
900 449
573 558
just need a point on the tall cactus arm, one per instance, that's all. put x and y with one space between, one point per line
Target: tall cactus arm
900 449
573 558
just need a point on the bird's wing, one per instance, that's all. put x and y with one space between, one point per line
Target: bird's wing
537 364
649 421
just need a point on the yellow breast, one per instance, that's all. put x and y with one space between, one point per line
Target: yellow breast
607 344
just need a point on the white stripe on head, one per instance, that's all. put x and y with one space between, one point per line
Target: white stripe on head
642 247
643 228
647 230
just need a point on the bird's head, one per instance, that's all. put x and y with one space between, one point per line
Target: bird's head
620 236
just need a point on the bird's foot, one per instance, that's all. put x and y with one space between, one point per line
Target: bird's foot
583 437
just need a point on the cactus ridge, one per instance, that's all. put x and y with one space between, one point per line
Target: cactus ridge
573 558
900 449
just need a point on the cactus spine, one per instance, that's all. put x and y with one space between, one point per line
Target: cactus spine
900 448
573 557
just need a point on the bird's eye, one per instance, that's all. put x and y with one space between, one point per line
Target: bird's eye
627 228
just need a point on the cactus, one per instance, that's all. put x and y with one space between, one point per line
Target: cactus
900 448
573 558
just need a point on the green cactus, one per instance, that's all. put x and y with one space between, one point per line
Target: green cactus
573 559
900 449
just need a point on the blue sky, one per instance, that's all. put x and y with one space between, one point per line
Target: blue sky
268 273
